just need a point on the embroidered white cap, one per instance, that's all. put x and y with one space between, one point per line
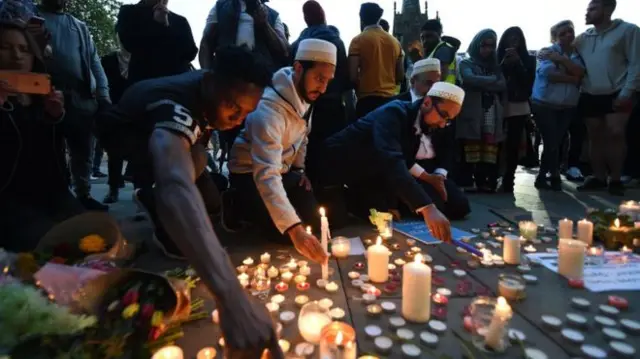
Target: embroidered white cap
317 50
426 65
447 91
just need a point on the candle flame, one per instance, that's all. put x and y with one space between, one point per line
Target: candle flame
502 302
339 338
418 258
379 241
308 229
322 212
616 223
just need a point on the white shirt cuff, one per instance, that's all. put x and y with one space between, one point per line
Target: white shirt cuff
416 170
442 172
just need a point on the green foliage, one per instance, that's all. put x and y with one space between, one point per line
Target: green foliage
100 17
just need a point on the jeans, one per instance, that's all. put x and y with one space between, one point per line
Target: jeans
552 123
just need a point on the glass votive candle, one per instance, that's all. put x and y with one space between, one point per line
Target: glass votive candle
340 247
595 255
338 341
312 320
528 229
511 286
260 284
490 324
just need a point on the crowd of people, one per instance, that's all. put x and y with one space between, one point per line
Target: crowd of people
368 126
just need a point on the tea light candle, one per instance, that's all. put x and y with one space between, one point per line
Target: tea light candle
248 261
338 340
511 287
207 353
340 247
281 287
399 262
416 286
293 265
495 333
368 298
530 249
243 278
301 300
305 270
169 352
585 231
528 229
265 258
303 287
273 308
242 269
565 228
378 262
511 251
215 317
299 279
311 323
354 275
337 313
331 287
416 249
260 283
374 310
324 240
287 317
278 299
383 344
571 258
440 299
272 272
286 276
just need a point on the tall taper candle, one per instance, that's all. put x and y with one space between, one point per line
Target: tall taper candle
324 240
416 291
378 262
565 228
585 231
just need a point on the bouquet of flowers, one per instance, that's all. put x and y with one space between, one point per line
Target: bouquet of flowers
604 219
380 219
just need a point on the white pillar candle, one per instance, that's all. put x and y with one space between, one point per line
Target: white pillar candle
585 231
378 262
416 291
169 352
565 228
495 333
571 258
511 249
324 240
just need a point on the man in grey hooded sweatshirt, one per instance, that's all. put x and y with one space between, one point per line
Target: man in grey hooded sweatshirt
611 53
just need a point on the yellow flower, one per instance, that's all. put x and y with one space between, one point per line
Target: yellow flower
130 310
92 243
156 319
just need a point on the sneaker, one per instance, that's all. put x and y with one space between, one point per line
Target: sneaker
145 201
91 204
592 184
574 174
111 197
616 188
230 219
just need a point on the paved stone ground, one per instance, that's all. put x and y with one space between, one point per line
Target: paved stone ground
541 205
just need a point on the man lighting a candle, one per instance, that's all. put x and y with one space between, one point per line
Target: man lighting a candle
268 157
378 156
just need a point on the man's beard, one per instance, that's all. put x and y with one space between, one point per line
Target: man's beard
303 92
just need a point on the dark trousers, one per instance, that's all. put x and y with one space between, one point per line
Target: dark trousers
23 221
114 169
329 117
632 164
576 136
251 204
98 153
368 104
77 127
515 126
552 124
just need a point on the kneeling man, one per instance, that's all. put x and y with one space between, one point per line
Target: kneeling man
381 151
268 157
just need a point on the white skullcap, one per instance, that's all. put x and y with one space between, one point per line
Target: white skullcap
317 50
447 91
426 65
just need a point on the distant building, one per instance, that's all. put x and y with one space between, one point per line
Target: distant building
407 23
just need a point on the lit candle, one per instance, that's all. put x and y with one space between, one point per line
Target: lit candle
215 317
338 341
272 272
530 249
331 287
340 247
293 265
511 250
303 286
281 287
416 286
169 352
309 230
301 300
265 258
378 262
207 353
511 287
286 276
305 270
631 209
528 229
300 279
565 228
311 321
495 333
273 308
284 345
324 240
248 261
244 279
571 258
585 231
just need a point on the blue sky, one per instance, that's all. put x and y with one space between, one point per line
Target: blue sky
461 18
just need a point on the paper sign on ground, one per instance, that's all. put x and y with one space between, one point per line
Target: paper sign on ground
357 248
618 272
419 231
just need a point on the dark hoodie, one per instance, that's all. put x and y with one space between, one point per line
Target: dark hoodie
520 75
340 82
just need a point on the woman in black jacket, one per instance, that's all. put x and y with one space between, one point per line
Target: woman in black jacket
34 188
519 69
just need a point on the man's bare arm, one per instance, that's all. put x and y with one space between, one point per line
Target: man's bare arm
183 214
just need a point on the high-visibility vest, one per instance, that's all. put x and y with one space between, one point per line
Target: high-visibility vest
451 76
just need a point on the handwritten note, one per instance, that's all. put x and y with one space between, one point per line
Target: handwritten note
419 231
618 271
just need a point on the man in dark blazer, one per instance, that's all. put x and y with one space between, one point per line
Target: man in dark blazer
395 152
424 74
